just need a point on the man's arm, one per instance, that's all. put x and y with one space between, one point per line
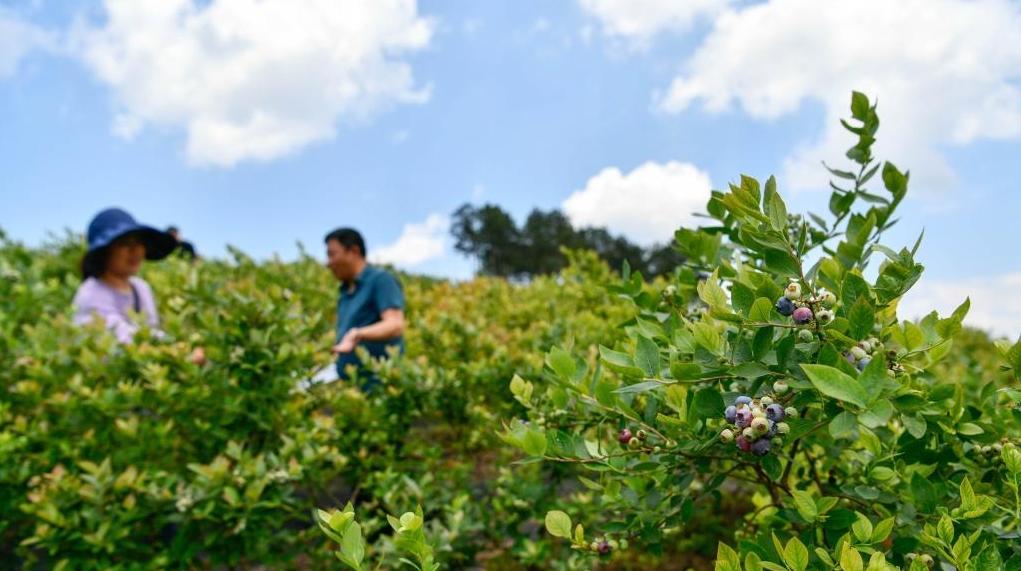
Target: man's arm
390 325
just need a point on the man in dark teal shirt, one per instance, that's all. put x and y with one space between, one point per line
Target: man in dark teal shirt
370 310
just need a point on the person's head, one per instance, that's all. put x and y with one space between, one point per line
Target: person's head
345 253
175 232
118 245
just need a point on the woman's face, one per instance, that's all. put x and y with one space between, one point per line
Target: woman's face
126 256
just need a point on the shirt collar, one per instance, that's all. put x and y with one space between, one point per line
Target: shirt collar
358 279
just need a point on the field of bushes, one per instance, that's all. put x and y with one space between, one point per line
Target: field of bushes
582 420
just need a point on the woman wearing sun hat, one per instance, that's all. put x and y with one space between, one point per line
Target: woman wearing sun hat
111 289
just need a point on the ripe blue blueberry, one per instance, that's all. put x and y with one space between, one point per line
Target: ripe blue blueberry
730 414
785 306
761 447
775 412
743 399
863 363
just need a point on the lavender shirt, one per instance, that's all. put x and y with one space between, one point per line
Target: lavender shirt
97 299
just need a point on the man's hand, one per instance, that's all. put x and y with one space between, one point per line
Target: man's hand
349 342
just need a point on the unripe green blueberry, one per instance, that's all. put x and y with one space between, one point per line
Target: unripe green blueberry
793 291
748 433
641 435
910 557
623 544
926 559
656 449
858 353
765 401
780 387
806 335
783 428
790 412
865 346
670 290
758 413
634 443
824 316
827 298
727 435
777 442
998 447
760 425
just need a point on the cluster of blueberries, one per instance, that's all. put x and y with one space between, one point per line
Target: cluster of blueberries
861 354
757 424
798 307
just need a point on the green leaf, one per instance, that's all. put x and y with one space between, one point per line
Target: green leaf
726 558
924 493
861 317
795 554
836 384
638 388
561 362
772 467
558 524
534 442
862 528
647 356
915 425
969 429
762 311
707 403
945 529
844 425
882 530
850 559
774 207
805 505
859 105
353 546
712 294
619 362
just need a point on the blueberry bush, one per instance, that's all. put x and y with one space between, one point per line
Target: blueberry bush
769 405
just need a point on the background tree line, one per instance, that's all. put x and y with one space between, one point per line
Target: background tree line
503 248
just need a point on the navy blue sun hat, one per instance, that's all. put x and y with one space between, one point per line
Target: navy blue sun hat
113 223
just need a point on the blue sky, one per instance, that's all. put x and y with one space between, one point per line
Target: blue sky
623 113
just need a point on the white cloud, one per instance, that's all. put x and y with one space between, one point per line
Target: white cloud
417 243
17 39
944 72
995 305
647 204
636 22
253 79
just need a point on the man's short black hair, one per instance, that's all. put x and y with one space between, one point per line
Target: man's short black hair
348 237
172 229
